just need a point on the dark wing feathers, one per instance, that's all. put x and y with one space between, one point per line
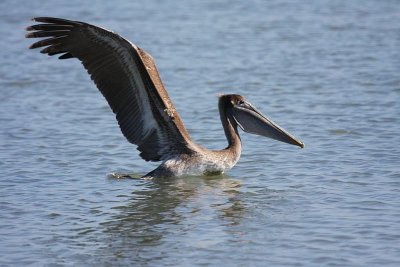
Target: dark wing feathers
126 76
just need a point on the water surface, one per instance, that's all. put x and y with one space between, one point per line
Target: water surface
327 71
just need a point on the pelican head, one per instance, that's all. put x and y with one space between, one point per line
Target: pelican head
242 113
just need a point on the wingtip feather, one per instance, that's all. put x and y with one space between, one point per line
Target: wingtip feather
29 35
66 56
53 20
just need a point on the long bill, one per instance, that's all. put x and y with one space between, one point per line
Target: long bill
253 121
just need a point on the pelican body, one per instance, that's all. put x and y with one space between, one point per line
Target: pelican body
127 77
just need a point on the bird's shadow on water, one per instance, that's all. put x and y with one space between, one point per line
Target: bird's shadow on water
161 209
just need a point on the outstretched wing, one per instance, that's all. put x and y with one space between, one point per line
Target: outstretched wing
126 76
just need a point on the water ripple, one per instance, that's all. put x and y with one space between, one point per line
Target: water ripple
328 72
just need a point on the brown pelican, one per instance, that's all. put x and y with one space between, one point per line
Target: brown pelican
128 78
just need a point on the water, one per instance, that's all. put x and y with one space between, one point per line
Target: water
327 71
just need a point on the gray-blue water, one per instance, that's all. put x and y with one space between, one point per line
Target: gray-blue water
327 71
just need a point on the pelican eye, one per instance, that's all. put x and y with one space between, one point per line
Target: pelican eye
240 103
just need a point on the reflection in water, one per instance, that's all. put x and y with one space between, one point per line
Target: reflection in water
163 208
